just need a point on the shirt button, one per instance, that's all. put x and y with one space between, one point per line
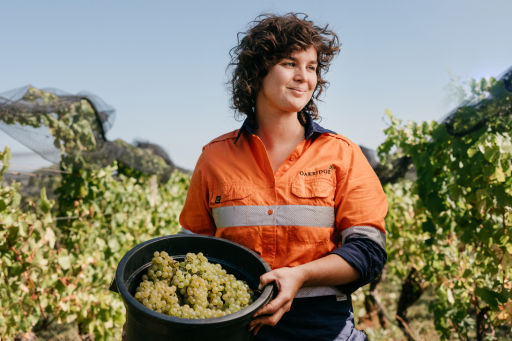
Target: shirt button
292 158
269 248
271 185
270 212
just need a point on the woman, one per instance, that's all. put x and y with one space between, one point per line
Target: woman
289 189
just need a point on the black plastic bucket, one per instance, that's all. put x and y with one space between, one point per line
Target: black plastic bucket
144 324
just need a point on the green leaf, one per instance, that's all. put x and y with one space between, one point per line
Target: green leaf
45 204
472 151
467 273
83 191
429 226
490 297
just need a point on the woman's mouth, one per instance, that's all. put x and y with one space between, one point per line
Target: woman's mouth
298 91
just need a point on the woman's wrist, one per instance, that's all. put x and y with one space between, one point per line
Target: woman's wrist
303 275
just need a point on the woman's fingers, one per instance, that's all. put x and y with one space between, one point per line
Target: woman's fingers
281 299
271 320
288 280
257 329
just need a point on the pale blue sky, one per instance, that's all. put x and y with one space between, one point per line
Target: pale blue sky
161 64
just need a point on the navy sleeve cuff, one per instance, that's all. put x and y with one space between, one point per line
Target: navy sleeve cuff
366 257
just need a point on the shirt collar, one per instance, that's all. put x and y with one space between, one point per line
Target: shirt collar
311 128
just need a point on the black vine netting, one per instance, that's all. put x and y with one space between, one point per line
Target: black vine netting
468 117
473 114
70 130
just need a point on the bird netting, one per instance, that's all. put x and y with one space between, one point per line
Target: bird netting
70 130
470 116
474 113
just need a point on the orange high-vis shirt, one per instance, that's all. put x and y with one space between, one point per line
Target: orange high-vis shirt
324 193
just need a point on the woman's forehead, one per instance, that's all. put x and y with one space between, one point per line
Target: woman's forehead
310 54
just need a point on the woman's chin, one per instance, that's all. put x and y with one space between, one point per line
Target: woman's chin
293 107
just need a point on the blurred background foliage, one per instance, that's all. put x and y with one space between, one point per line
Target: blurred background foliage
449 239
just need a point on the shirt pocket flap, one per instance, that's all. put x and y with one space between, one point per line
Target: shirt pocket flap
313 188
227 191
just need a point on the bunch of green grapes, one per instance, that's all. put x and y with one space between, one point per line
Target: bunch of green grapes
194 288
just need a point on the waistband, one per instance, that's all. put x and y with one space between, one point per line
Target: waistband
321 291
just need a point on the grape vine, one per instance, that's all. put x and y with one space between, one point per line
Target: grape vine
456 230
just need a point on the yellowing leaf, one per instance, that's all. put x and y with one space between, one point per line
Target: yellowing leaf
70 318
24 288
49 236
65 262
500 176
505 262
101 243
497 250
113 245
450 296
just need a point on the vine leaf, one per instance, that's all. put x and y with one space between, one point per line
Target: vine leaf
490 297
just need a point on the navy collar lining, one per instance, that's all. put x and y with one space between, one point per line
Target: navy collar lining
311 128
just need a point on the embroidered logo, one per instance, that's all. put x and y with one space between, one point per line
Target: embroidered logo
217 199
317 172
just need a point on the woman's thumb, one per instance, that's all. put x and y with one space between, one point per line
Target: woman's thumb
266 279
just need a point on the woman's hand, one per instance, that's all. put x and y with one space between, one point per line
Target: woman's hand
288 281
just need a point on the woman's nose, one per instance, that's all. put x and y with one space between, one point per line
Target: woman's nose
300 75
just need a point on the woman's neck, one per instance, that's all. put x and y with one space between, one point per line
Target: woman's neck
280 133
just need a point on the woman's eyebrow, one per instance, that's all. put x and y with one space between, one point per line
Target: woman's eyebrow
312 61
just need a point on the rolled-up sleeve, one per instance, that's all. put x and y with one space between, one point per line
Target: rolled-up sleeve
361 207
366 257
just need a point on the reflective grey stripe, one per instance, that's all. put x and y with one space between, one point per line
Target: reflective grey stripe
321 291
282 215
364 232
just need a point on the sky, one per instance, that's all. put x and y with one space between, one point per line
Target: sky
162 64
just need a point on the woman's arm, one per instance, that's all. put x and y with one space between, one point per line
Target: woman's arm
351 266
330 270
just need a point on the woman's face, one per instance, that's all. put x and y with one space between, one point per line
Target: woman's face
289 84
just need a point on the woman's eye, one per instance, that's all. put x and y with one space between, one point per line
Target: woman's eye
312 68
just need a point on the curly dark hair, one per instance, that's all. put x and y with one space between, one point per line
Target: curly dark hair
269 39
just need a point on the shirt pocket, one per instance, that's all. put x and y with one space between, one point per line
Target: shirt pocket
224 193
321 188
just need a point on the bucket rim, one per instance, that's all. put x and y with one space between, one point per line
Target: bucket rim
132 303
